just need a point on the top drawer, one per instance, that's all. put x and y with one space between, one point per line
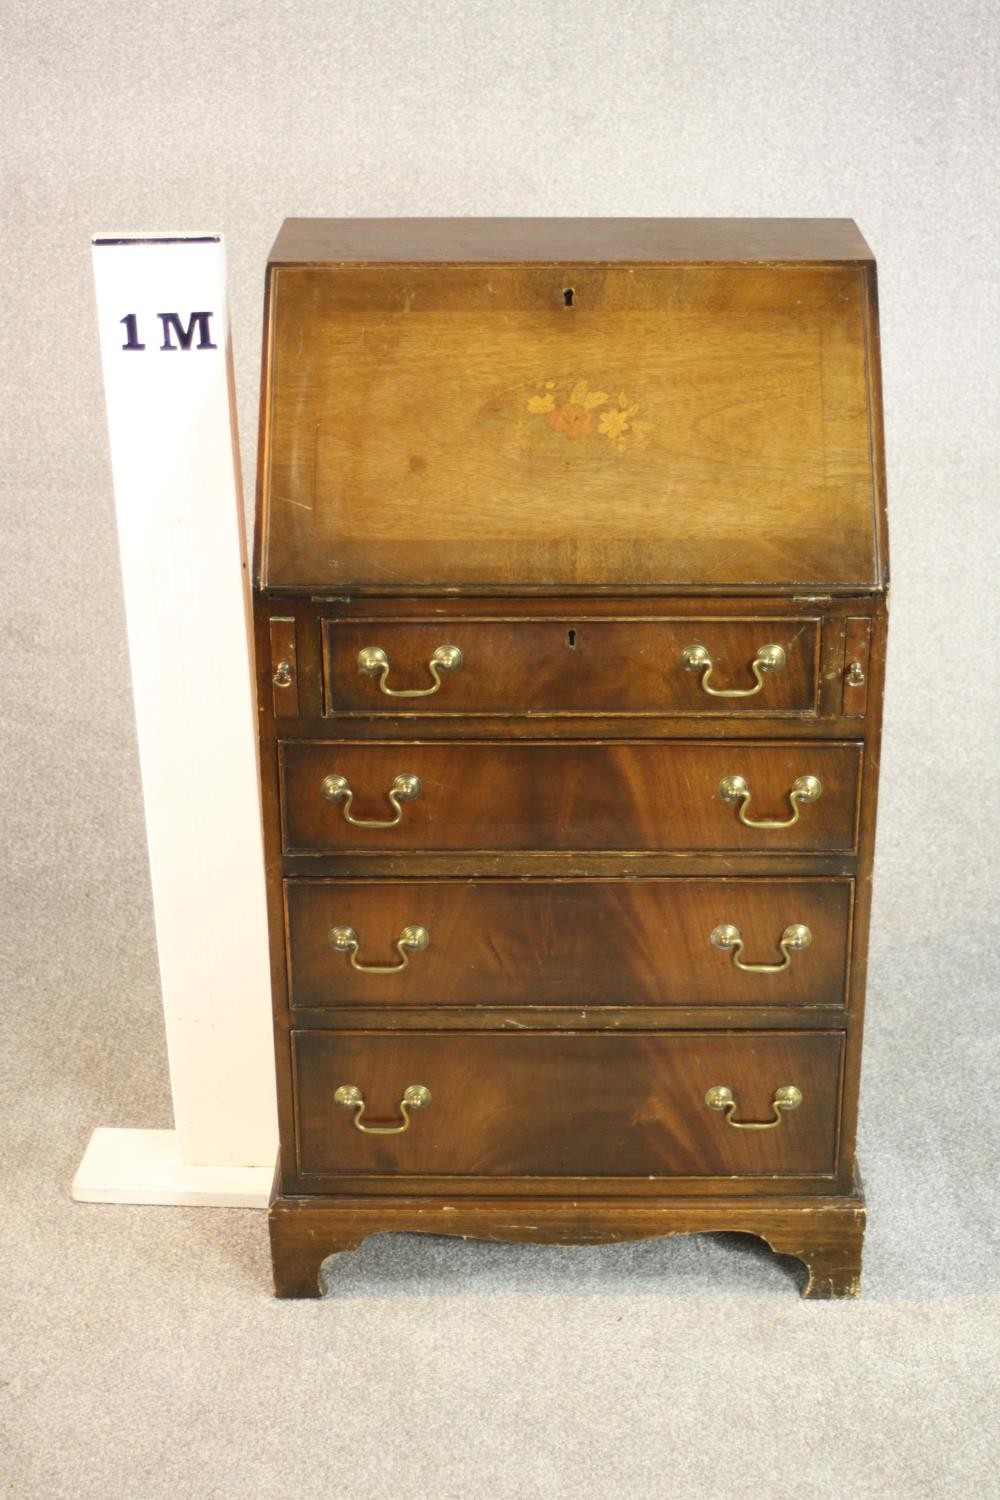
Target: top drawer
575 665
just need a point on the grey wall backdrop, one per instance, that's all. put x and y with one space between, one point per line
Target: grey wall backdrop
146 1356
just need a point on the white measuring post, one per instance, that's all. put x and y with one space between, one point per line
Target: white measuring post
165 346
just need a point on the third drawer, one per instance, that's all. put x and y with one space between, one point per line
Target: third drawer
753 942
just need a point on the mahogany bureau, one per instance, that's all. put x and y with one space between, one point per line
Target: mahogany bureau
570 611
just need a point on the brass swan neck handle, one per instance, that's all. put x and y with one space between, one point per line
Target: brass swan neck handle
804 789
768 659
374 662
417 1096
405 788
722 1098
412 939
729 939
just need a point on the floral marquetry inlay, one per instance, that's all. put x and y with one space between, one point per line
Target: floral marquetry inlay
578 412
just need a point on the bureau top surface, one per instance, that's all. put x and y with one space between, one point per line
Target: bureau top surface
582 241
569 405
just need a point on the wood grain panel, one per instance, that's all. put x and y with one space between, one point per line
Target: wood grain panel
544 796
567 1105
568 942
573 665
826 1233
448 426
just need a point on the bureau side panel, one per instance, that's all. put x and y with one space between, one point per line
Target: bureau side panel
863 893
264 611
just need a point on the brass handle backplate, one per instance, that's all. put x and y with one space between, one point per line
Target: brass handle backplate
730 940
768 659
405 788
411 940
415 1097
374 662
804 789
720 1097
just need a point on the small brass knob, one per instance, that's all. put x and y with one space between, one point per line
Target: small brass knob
726 937
771 658
282 674
796 937
372 659
415 938
342 939
807 788
448 658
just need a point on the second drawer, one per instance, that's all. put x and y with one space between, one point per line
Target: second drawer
568 942
768 796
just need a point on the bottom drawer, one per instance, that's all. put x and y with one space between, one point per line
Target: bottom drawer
562 1105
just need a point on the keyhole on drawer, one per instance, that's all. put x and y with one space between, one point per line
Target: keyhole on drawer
571 639
568 296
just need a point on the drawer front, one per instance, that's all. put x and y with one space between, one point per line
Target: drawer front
559 796
587 666
560 1105
567 942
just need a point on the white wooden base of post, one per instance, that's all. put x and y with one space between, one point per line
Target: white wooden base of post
163 319
144 1166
